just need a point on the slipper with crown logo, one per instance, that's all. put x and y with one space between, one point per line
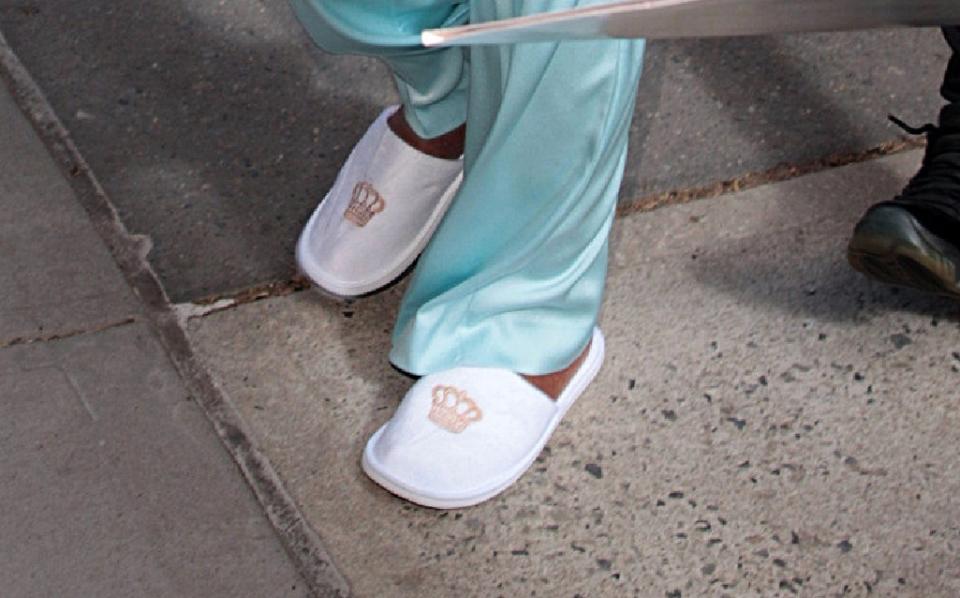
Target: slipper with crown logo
462 436
382 210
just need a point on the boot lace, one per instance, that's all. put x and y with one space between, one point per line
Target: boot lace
937 184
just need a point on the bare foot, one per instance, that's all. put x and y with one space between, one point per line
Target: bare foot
553 384
448 146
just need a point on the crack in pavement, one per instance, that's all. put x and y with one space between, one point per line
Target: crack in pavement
212 304
276 288
19 340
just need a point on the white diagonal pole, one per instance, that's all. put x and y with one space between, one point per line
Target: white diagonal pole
655 19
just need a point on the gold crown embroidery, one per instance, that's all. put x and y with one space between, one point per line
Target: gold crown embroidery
364 205
453 410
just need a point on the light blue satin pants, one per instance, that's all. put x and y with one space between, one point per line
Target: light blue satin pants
514 276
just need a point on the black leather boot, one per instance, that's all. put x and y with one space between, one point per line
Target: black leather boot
914 240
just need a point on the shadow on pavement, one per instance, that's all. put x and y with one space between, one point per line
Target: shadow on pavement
216 127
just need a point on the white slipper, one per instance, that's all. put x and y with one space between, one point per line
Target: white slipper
462 436
381 212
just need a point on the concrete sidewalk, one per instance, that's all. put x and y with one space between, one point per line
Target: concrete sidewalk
768 422
113 481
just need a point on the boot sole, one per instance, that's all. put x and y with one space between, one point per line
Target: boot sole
890 245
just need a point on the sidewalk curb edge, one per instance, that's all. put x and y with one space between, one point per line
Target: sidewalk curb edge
301 542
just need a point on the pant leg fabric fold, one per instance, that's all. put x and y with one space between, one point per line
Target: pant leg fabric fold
514 277
432 82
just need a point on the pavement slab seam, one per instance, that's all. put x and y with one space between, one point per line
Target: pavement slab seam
206 306
212 304
215 303
778 174
130 252
18 341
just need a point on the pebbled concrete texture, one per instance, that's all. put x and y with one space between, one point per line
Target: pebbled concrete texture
58 277
216 127
768 422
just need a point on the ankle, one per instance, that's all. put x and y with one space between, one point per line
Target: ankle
448 146
554 384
